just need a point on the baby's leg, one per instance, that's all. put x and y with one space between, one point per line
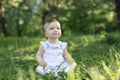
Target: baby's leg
40 70
43 70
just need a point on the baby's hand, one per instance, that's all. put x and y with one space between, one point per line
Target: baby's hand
43 63
73 65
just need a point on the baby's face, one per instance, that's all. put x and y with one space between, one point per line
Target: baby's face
52 30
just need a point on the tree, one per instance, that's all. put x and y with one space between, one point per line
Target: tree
117 9
3 20
25 17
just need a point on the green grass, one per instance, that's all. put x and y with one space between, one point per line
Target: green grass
97 56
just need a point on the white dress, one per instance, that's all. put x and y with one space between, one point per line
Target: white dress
53 55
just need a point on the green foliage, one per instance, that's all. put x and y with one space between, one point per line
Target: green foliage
112 38
96 58
80 16
92 18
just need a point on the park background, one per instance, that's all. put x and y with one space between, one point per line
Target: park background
91 28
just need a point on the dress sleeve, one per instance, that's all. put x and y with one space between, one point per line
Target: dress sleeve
64 45
42 43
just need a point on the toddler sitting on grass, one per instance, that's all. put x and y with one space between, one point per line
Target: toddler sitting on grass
52 55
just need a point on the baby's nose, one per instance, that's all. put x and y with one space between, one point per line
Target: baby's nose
55 29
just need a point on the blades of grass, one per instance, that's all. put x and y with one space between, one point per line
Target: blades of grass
108 70
71 75
32 73
20 74
95 74
78 74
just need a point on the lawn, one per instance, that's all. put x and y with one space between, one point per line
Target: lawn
97 57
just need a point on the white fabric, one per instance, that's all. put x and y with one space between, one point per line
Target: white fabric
65 67
53 55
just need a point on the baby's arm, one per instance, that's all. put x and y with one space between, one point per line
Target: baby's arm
39 56
68 57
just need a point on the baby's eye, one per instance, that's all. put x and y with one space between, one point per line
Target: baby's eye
51 28
58 28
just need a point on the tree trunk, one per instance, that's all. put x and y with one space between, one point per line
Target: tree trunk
117 9
44 14
19 32
3 21
4 26
51 7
